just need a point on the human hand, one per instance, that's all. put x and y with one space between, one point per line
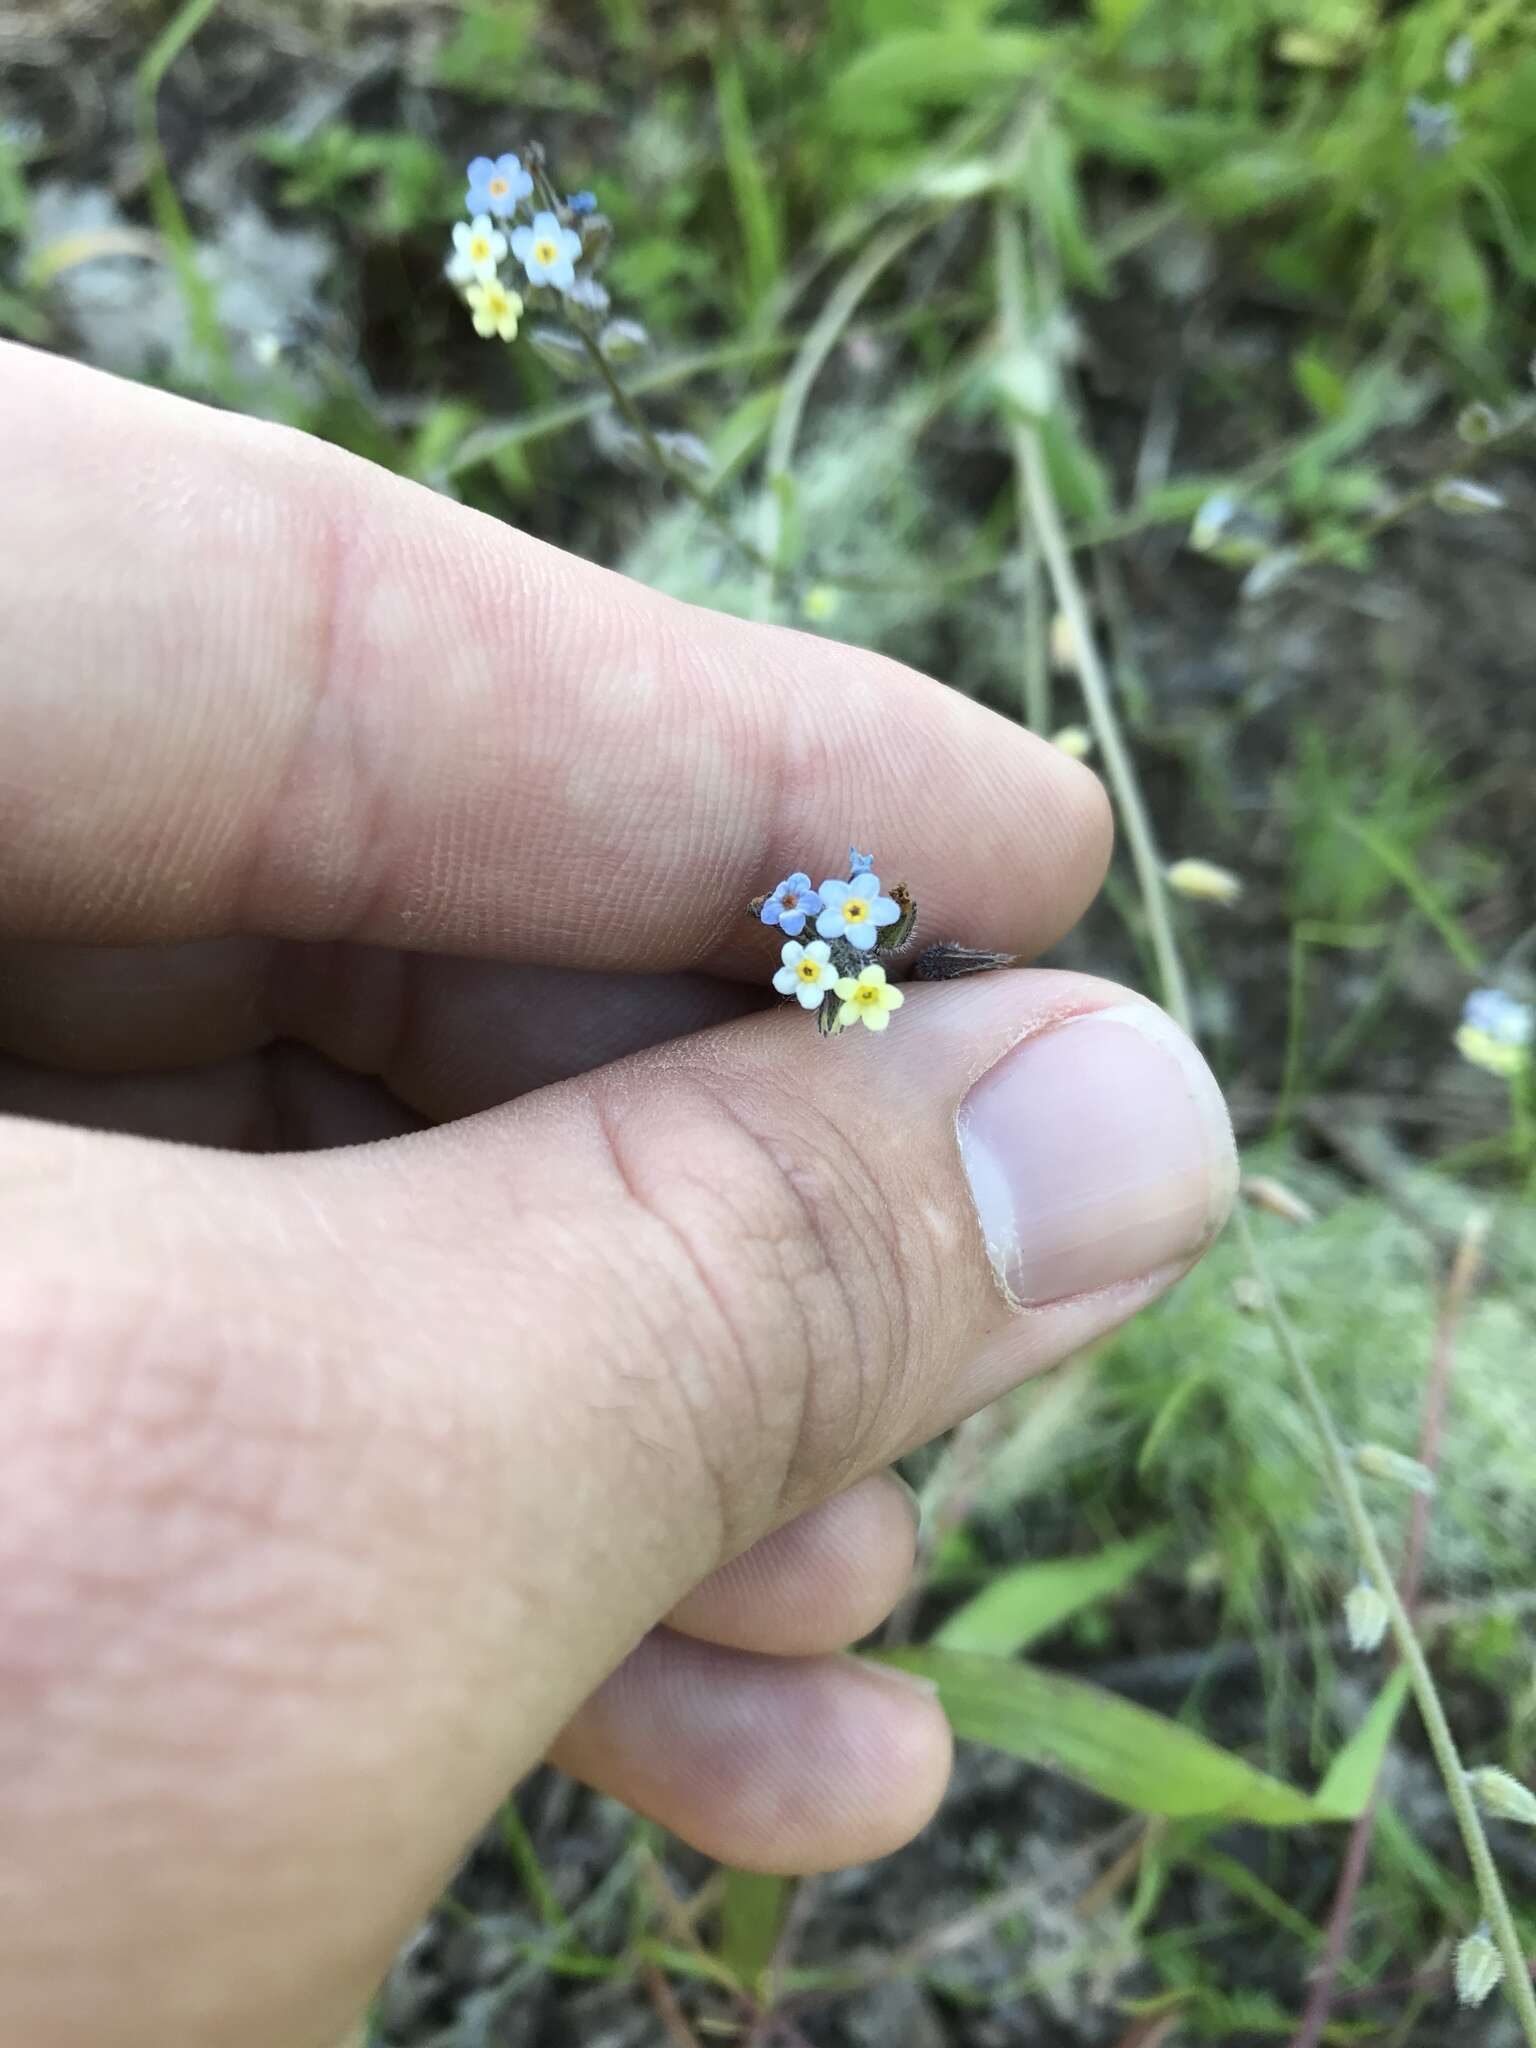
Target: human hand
345 1479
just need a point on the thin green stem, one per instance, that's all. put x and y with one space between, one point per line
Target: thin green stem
1346 1487
821 338
1045 514
1045 521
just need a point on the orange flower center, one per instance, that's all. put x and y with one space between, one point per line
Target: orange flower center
497 187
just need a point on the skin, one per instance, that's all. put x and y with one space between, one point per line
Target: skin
445 1319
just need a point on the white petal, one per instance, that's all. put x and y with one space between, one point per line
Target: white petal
792 951
810 998
819 951
786 981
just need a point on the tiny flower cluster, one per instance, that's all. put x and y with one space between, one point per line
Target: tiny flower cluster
515 213
852 919
1497 1032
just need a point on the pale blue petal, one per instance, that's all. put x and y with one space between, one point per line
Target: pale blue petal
562 274
792 921
830 924
833 892
860 935
819 951
884 910
480 168
799 881
522 242
867 882
771 910
810 998
786 981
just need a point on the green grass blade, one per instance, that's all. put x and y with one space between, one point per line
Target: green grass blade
1019 1607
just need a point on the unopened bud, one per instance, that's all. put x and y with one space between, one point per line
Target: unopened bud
622 340
1365 1616
1459 494
1265 1192
1479 1966
1063 645
1247 1295
687 451
1477 424
1496 1792
1376 1461
561 349
819 603
1075 741
1204 882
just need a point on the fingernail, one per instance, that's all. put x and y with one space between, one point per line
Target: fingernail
1097 1152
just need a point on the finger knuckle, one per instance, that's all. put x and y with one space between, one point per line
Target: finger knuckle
784 1268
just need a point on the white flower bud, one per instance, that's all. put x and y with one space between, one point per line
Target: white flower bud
1265 1192
1496 1792
1459 494
1075 741
1479 1966
1477 424
1203 882
1063 645
1376 1461
1365 1616
622 340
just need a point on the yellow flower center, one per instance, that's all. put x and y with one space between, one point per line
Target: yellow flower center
855 910
479 248
497 188
808 971
545 253
867 995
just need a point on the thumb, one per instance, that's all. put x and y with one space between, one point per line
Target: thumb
338 1482
693 1294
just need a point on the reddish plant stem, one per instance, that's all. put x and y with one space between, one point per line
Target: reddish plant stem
1465 1268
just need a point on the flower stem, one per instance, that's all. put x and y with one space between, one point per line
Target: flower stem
1045 515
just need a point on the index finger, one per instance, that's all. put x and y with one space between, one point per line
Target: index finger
251 684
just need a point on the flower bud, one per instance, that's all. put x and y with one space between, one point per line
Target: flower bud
561 349
819 603
1376 1461
1203 882
1263 1191
1496 1792
1075 741
1365 1616
1477 424
622 340
1063 645
687 451
1459 494
1479 1966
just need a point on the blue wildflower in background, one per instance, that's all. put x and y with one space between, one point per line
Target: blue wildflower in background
1497 1032
860 863
496 185
791 904
582 202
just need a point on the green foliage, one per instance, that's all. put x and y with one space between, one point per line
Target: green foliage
1018 1607
487 55
388 184
1129 1754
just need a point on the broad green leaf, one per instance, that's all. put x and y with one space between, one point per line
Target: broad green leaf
1020 1606
931 67
1122 1751
1347 1783
751 1915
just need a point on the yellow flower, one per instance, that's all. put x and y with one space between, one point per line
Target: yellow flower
869 1000
495 309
